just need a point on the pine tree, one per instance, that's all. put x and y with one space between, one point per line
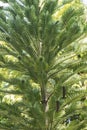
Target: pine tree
43 58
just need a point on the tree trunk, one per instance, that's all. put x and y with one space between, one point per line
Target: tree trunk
45 105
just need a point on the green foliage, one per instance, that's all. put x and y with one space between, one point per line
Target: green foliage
41 62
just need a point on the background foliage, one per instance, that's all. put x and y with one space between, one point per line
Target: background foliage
43 67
